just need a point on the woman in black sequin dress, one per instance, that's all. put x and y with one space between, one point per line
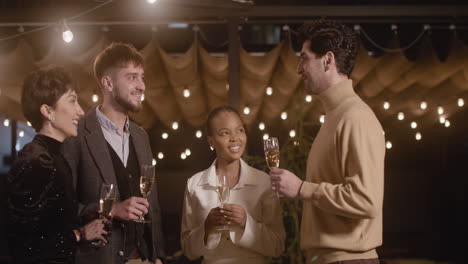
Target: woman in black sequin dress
42 208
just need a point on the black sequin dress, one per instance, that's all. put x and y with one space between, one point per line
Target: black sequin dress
42 209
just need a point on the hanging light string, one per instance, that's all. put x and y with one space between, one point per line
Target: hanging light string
51 25
411 44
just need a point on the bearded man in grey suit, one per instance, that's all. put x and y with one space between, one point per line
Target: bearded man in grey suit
111 149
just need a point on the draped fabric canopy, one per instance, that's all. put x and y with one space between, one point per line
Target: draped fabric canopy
391 77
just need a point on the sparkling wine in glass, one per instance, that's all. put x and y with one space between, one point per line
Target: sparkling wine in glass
106 200
222 188
146 184
272 153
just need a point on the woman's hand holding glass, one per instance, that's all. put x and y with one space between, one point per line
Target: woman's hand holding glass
106 201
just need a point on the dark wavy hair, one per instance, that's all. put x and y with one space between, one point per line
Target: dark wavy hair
328 35
117 54
213 113
44 87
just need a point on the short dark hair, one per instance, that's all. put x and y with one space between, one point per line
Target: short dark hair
117 54
44 87
328 35
213 113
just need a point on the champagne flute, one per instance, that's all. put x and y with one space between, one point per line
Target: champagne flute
272 153
106 201
146 183
222 188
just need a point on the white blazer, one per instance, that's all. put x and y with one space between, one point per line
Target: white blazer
263 234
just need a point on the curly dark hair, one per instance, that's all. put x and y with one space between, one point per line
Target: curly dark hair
44 87
329 35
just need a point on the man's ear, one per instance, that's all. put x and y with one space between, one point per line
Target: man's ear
106 83
328 60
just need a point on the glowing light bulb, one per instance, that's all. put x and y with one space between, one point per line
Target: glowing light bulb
246 110
188 152
186 93
95 98
29 124
308 98
165 135
423 105
151 1
6 122
442 119
401 116
388 145
266 136
175 125
198 134
154 162
160 155
418 136
414 125
284 115
269 91
292 133
322 119
460 102
440 110
386 105
21 133
261 126
183 155
447 123
67 35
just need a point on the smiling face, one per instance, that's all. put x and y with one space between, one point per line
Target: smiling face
67 111
128 87
228 136
312 69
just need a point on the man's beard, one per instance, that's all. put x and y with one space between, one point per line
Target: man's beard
127 105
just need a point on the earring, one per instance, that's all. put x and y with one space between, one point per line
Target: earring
51 117
211 148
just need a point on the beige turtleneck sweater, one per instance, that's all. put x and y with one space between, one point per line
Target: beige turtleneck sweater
343 191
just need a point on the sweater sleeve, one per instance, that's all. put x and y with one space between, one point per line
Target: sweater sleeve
193 231
266 235
360 151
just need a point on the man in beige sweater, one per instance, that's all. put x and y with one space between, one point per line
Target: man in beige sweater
343 191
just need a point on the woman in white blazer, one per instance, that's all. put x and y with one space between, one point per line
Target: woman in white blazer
253 211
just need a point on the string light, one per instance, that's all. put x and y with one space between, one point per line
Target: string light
186 93
269 91
160 155
308 98
183 155
386 105
442 119
261 126
6 122
401 116
460 102
284 115
414 125
175 125
95 98
266 136
21 133
388 145
67 34
292 133
165 135
246 110
154 162
447 123
28 123
440 110
423 105
418 136
322 119
198 134
188 152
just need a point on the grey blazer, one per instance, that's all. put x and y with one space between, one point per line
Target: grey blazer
91 165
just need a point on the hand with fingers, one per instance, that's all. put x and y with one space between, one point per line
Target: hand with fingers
130 209
94 230
285 182
215 218
234 214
